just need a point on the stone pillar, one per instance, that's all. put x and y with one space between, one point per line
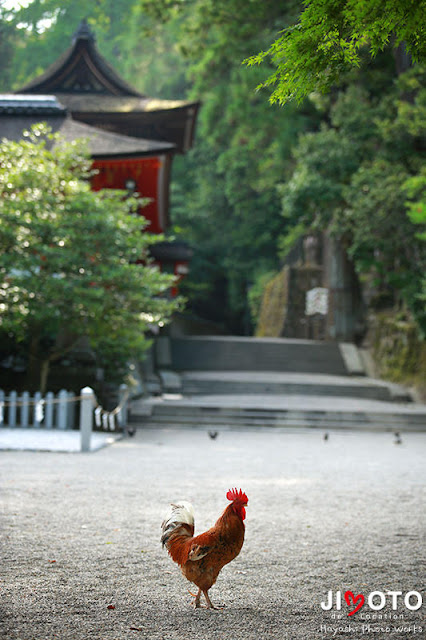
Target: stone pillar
342 282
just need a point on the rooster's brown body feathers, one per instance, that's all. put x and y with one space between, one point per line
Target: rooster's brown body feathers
202 557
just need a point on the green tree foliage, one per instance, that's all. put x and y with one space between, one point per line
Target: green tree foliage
329 38
415 188
144 53
348 161
225 200
352 179
228 205
68 258
45 30
8 38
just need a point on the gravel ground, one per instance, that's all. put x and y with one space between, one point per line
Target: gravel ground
80 537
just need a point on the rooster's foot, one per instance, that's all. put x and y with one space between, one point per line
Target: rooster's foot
196 602
210 605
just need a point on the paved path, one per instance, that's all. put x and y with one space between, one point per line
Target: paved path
80 536
67 441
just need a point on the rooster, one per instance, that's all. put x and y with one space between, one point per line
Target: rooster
202 557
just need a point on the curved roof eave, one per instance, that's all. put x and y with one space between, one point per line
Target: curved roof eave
99 73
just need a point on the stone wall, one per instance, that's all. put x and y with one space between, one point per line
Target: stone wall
283 306
398 351
273 309
317 261
297 324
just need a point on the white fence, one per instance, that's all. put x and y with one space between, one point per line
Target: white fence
51 412
60 412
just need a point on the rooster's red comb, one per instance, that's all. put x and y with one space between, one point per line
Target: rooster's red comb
233 494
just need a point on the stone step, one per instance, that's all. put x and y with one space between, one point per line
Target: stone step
292 419
293 424
240 382
322 412
222 353
311 421
227 382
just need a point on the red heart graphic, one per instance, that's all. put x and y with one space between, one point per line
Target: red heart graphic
351 599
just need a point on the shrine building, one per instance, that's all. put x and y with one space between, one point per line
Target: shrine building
132 138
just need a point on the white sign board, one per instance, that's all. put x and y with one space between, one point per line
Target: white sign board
316 301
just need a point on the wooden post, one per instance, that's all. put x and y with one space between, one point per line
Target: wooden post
25 409
61 413
37 399
13 397
48 423
122 414
86 418
71 411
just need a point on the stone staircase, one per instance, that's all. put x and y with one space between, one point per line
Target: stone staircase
195 383
223 383
214 412
223 353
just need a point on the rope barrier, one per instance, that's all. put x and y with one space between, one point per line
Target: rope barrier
103 418
34 403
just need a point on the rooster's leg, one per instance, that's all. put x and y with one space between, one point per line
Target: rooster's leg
210 605
196 602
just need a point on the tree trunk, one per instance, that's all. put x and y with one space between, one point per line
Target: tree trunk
402 58
33 372
38 368
44 374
